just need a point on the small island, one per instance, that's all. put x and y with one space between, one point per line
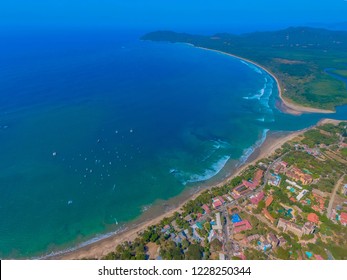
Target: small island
309 64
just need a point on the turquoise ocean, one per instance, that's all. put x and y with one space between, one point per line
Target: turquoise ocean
97 126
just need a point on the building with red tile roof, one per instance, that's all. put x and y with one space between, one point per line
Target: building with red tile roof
206 208
255 199
242 226
313 218
216 203
318 257
268 201
343 218
268 215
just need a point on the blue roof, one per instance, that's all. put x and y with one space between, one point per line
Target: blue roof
235 218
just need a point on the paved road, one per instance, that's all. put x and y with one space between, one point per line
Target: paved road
332 198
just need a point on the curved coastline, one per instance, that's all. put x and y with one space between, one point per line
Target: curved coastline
287 106
98 248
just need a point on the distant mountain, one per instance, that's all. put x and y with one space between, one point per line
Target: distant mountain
293 36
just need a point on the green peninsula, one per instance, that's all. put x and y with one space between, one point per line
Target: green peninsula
305 60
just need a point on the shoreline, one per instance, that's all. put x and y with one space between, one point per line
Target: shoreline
287 106
106 245
102 247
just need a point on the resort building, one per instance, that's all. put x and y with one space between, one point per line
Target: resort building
206 209
308 227
242 226
218 225
255 199
217 202
268 215
298 175
248 186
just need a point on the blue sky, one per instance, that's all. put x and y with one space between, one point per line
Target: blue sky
222 15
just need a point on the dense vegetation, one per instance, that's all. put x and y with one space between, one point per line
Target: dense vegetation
299 57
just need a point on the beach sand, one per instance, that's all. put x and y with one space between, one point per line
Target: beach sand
287 106
164 209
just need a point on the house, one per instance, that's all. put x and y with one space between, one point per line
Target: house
216 203
268 215
273 240
175 226
206 209
255 199
313 218
282 241
188 218
222 256
268 201
343 218
166 229
242 226
345 189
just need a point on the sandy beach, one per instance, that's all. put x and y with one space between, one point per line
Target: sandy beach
102 247
287 106
166 208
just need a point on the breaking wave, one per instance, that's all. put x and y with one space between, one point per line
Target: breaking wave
253 67
249 151
206 175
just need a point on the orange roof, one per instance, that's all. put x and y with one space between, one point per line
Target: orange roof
268 215
269 200
312 217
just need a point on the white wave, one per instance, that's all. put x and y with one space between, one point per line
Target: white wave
86 243
249 151
253 67
146 208
208 173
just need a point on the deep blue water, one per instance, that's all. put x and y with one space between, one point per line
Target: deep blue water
97 126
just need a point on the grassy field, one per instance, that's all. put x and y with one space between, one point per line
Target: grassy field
297 56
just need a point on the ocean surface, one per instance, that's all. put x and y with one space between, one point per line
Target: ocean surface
95 127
